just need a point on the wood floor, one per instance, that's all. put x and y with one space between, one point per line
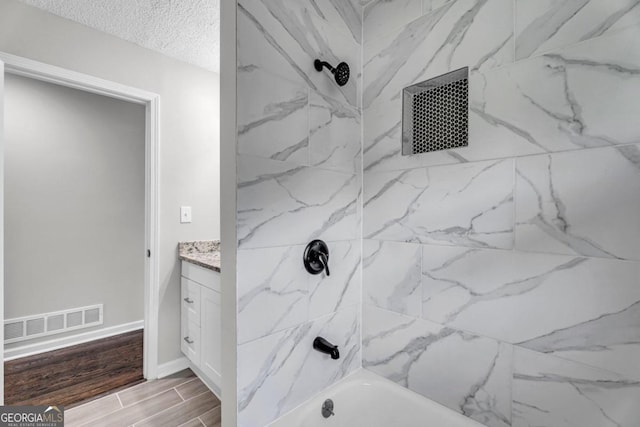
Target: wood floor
75 374
179 400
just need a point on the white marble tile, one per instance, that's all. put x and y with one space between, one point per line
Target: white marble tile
286 37
345 16
543 25
579 97
551 392
334 135
580 203
429 6
280 203
273 117
278 372
472 33
382 142
464 372
391 274
466 205
342 288
550 103
272 291
454 35
383 16
584 309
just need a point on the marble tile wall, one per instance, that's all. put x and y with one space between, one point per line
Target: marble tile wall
299 178
503 279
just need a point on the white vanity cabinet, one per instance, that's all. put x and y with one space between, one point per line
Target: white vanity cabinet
201 322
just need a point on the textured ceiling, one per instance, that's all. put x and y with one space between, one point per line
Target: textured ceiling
188 30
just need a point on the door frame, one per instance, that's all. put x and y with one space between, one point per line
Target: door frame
44 72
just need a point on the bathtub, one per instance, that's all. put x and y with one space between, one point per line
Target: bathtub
366 399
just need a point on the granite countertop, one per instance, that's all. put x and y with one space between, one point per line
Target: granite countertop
205 253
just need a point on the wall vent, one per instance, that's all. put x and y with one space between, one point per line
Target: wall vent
40 325
435 113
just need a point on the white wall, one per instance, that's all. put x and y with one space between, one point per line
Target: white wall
74 201
189 147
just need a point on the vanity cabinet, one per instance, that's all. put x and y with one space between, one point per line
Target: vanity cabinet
202 322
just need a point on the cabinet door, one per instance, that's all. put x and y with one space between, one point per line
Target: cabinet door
191 344
211 332
191 300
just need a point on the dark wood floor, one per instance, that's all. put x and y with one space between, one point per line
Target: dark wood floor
75 374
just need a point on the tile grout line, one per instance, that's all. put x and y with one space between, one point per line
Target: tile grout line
158 393
175 406
179 395
164 410
119 401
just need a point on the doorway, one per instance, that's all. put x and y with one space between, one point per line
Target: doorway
18 68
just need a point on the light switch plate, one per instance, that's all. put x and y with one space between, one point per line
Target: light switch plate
185 214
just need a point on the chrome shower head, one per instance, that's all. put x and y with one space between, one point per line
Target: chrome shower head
340 73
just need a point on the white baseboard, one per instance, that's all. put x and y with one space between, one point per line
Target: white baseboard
58 343
177 365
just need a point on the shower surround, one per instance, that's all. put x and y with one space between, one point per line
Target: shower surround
500 279
299 179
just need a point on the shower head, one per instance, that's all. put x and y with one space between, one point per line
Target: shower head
340 73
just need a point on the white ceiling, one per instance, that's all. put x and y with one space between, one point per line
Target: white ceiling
188 30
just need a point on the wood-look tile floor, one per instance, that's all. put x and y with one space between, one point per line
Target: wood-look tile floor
178 400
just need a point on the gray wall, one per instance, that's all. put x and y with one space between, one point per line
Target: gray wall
74 201
189 132
298 179
501 279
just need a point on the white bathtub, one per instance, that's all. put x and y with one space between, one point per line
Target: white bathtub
366 399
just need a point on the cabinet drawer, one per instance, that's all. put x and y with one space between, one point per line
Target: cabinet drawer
190 344
204 276
191 297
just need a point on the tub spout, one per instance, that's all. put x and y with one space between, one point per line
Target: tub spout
324 346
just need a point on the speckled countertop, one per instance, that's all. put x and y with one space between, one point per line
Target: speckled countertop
205 253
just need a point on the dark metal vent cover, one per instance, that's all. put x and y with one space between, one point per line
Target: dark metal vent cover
435 114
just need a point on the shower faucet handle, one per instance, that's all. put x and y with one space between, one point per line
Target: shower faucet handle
323 258
316 257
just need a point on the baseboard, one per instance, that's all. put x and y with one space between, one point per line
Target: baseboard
177 365
58 343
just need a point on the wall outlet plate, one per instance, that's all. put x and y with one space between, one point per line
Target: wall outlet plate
185 214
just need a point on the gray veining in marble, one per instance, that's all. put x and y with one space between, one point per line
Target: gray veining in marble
334 134
442 205
514 115
500 293
280 203
273 117
543 25
392 277
286 36
271 290
548 391
466 373
564 207
280 371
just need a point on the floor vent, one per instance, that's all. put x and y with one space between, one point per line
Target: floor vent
29 327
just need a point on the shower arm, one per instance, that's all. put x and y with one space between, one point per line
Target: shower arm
319 64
